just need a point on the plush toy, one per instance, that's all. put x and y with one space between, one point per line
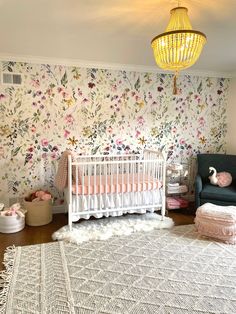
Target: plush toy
222 179
14 210
41 196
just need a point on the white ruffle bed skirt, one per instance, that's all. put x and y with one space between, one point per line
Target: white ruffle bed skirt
120 201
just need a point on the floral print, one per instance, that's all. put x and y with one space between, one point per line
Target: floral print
101 111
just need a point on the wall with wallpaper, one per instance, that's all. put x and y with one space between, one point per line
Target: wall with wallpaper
101 111
231 114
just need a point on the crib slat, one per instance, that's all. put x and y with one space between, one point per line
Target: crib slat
122 185
100 186
89 185
117 173
70 204
106 174
76 188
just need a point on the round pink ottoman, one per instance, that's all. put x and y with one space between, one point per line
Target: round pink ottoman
218 222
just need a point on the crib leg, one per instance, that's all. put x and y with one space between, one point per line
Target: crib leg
70 225
162 214
69 218
163 209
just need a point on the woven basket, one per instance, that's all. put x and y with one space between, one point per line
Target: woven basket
38 213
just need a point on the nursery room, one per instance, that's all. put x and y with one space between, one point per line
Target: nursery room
117 156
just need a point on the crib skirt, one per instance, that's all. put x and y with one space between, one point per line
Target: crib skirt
94 202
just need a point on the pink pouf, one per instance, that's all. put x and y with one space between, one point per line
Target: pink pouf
218 222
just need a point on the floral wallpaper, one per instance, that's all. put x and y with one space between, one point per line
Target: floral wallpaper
101 111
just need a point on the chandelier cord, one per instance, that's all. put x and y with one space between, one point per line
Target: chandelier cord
175 89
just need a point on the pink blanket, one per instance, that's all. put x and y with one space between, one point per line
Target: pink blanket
61 178
176 202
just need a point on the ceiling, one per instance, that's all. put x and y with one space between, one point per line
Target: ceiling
113 31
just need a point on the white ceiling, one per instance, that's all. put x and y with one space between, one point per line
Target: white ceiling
113 31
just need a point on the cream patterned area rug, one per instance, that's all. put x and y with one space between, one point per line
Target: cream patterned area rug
103 229
161 271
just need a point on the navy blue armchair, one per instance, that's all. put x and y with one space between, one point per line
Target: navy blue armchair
205 192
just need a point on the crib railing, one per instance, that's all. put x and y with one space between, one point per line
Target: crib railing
103 185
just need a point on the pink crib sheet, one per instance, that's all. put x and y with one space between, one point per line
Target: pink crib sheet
115 184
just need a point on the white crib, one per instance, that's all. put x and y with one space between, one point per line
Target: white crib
114 185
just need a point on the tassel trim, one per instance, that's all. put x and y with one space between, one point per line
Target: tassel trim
6 276
175 89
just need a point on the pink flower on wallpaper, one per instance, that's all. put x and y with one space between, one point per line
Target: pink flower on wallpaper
140 120
198 134
33 129
174 129
137 133
66 133
35 83
202 121
44 142
114 88
69 119
182 141
2 96
110 129
119 141
54 156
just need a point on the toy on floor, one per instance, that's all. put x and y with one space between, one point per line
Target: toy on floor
221 179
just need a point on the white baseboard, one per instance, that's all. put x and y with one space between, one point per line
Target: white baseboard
59 209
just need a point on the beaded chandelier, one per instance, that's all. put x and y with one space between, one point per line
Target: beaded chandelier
179 46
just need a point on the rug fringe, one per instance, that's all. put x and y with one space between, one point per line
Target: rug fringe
6 275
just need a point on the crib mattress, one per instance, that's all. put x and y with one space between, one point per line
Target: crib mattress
90 185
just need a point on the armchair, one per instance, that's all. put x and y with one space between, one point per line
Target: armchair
208 193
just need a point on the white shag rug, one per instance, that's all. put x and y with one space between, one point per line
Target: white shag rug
103 229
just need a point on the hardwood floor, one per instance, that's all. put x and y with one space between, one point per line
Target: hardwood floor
35 235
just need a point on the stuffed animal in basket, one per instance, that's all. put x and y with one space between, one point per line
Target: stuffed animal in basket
222 179
14 210
42 196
